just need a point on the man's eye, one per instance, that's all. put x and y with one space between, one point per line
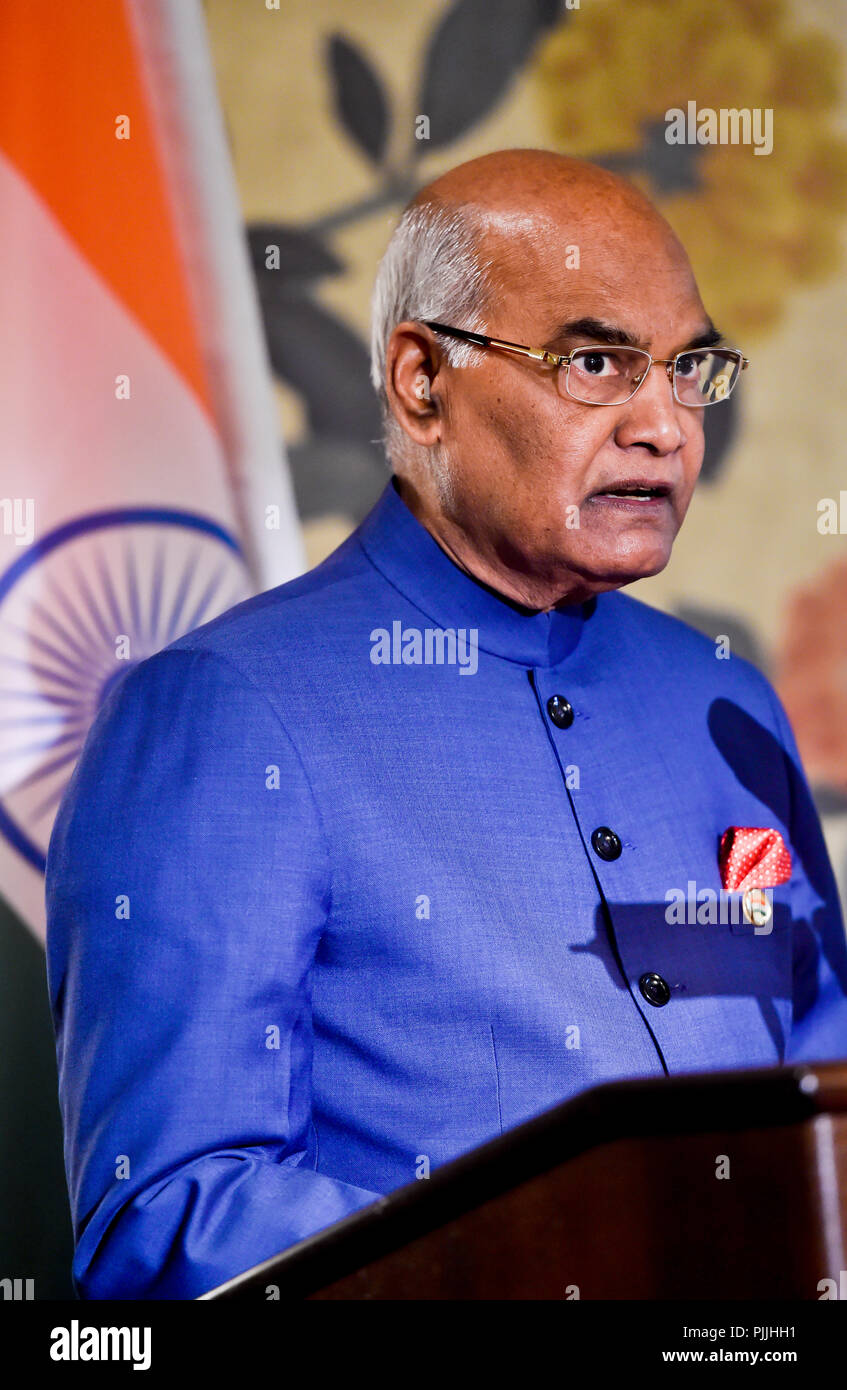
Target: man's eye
690 363
597 363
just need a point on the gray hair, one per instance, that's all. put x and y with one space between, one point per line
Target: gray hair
431 269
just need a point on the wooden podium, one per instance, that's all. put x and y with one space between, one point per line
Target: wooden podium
727 1185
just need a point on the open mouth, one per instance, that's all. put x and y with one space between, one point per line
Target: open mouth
635 491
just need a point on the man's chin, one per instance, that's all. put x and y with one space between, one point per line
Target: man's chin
613 572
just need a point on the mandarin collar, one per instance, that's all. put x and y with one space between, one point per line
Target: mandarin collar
410 558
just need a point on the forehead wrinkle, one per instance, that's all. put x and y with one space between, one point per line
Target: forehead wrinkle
526 247
611 303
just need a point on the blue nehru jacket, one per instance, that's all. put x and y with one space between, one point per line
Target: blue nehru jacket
328 905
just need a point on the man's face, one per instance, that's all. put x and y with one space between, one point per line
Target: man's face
527 462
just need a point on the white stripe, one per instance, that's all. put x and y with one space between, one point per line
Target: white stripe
180 79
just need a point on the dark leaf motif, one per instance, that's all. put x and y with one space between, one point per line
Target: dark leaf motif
474 53
670 168
830 801
336 476
326 363
358 97
302 256
721 427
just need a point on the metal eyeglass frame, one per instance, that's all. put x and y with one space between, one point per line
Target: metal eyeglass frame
555 360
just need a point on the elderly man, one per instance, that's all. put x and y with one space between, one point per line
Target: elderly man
404 841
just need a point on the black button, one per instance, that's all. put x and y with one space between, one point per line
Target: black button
655 990
606 842
560 711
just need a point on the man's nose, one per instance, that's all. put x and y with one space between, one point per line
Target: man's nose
652 417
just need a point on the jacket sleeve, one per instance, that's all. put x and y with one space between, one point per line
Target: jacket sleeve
187 887
819 1027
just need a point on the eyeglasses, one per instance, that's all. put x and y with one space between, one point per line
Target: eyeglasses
604 375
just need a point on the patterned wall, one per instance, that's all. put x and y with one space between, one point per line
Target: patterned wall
321 99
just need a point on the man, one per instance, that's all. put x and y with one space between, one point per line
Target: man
397 840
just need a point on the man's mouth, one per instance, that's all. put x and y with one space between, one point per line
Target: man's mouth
635 487
636 490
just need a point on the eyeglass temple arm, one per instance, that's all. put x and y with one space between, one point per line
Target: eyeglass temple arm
478 338
482 340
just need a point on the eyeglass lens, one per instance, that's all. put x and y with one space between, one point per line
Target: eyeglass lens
611 375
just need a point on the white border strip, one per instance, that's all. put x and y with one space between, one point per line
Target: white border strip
180 81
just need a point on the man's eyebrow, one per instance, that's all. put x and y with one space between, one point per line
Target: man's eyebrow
597 331
710 337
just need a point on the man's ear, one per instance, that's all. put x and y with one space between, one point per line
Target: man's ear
412 363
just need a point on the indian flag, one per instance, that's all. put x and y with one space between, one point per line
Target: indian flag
143 488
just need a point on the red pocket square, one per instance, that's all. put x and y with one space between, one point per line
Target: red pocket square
752 857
